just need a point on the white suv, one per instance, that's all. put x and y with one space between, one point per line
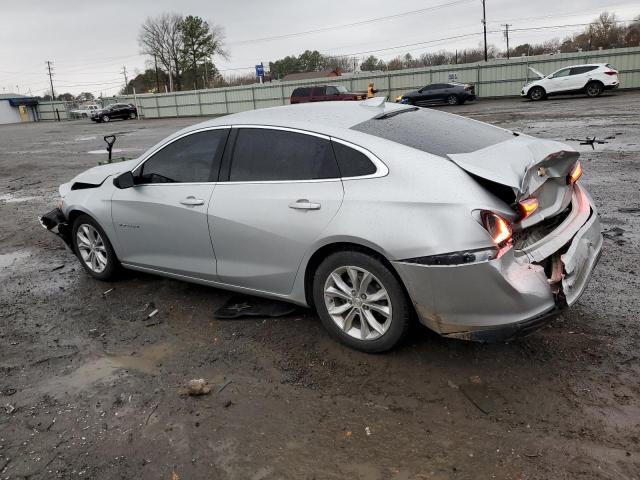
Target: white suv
591 79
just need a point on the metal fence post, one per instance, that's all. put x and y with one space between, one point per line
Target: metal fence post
388 86
157 106
226 102
282 94
253 97
199 103
478 79
175 104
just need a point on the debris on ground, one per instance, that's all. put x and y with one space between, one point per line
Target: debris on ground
227 404
104 294
367 430
197 387
614 234
224 385
629 209
7 392
57 267
153 313
9 409
244 305
588 141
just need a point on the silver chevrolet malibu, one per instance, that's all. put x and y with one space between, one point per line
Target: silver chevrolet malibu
372 213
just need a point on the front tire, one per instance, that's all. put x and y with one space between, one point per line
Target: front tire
93 248
105 118
537 93
361 302
133 115
594 89
453 100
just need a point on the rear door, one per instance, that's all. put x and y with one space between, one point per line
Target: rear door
579 76
282 189
161 222
318 94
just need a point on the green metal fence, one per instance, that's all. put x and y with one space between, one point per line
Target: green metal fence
496 78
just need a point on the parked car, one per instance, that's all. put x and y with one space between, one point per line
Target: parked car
324 93
123 111
590 79
84 111
365 211
451 93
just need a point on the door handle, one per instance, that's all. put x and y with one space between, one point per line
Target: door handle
304 204
192 201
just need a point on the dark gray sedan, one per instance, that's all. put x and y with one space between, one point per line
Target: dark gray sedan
450 93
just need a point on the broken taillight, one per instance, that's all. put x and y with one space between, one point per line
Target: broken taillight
575 174
498 227
528 207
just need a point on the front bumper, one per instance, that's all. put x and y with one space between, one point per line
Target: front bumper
56 222
511 295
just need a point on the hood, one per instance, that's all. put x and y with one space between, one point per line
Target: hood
536 72
523 163
97 175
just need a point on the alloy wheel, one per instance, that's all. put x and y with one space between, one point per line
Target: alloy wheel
358 302
452 100
536 94
593 90
105 118
92 248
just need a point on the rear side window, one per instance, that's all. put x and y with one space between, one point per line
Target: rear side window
318 91
435 132
351 162
262 154
579 70
301 92
193 158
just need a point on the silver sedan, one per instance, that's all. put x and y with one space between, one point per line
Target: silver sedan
373 213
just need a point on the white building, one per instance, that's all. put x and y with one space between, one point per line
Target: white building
15 108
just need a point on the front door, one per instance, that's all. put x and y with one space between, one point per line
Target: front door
283 189
559 82
161 222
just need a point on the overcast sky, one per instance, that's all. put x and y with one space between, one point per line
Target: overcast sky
90 41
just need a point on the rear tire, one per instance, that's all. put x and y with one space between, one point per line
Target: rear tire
594 89
537 93
453 100
361 302
93 248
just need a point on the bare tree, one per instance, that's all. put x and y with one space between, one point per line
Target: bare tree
160 37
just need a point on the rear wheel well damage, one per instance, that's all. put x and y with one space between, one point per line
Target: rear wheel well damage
326 250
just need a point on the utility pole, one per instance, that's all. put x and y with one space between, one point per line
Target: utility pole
126 82
484 24
506 34
155 60
50 79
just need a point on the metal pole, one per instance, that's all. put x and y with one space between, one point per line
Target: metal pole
506 34
155 60
53 97
484 24
126 82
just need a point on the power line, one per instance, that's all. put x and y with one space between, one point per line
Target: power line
350 25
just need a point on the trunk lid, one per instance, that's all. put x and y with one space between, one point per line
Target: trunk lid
530 167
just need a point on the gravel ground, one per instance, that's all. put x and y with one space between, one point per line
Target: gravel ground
90 388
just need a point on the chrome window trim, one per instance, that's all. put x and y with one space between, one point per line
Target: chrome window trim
381 168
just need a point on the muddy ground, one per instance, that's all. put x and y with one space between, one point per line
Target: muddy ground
90 388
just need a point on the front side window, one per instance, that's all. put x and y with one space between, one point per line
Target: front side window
277 155
561 73
193 158
332 91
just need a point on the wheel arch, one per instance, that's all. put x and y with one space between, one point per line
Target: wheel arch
327 249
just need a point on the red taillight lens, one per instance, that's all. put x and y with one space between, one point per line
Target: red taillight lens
611 72
467 87
575 174
528 207
498 227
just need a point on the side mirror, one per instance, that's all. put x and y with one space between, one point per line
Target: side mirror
124 180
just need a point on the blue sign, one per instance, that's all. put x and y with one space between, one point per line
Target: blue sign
260 70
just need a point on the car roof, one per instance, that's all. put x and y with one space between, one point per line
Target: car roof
321 117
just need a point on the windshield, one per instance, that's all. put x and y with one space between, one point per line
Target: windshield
434 132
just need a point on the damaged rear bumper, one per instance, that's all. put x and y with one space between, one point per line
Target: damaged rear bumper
512 295
56 222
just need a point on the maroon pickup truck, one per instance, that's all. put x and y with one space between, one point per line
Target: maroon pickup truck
325 93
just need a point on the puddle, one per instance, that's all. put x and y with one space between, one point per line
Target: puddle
144 361
8 259
11 198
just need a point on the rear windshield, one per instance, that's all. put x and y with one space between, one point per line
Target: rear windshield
435 132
